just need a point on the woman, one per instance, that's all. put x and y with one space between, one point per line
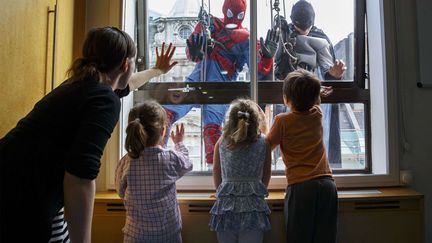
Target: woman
52 157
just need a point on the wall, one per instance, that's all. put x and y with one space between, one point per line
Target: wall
415 111
105 13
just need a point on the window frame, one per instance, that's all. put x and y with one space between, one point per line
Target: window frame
352 92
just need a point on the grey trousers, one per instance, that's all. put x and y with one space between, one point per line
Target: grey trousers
311 211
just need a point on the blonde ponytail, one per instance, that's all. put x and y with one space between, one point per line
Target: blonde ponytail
241 132
241 128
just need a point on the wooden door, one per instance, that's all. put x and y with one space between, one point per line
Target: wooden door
25 57
36 49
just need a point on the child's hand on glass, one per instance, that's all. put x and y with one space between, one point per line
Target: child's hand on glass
178 136
262 121
326 91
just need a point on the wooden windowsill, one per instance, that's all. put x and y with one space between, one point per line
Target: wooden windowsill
278 196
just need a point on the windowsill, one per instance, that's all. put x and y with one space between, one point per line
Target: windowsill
189 183
278 195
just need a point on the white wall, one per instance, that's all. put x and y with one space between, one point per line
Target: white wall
415 116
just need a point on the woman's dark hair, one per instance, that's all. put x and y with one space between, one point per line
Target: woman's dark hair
104 50
146 121
242 126
302 89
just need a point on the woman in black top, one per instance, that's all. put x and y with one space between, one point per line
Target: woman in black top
51 158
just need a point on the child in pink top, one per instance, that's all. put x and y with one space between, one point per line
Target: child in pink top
311 196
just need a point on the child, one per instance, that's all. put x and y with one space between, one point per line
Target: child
311 196
146 176
241 173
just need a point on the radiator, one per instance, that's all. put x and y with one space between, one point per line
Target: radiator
360 221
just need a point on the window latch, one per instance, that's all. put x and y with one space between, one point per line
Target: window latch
186 89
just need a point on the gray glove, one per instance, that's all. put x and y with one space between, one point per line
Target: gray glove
269 47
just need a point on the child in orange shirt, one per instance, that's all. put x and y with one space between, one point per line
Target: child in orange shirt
311 200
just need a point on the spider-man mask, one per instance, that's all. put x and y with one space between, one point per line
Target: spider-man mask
234 12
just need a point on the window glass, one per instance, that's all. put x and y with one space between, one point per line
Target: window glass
352 130
226 58
349 151
199 97
315 38
328 35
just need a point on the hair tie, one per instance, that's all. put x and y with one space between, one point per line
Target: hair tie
137 120
93 61
243 114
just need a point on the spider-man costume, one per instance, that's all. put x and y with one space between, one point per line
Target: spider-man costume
224 61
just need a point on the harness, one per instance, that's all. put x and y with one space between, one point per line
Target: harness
287 59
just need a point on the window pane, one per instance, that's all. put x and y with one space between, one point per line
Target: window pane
353 142
311 50
222 47
347 154
193 138
343 133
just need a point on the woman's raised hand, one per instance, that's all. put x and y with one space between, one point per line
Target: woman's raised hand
163 61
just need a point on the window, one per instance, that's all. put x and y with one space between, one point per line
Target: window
352 129
184 32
